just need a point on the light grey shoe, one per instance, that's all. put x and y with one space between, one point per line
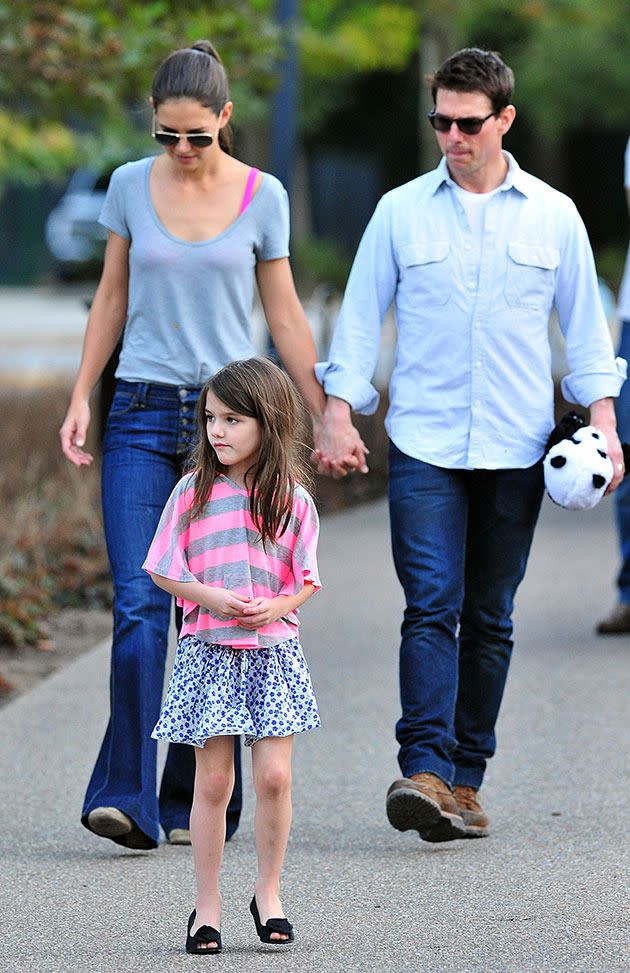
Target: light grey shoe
109 822
179 836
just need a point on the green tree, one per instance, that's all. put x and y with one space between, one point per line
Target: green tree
75 76
570 56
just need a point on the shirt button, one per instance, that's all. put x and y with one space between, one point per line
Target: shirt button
183 393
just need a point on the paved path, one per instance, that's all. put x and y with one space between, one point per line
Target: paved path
41 332
543 893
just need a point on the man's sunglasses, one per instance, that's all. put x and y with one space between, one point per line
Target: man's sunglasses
469 126
198 140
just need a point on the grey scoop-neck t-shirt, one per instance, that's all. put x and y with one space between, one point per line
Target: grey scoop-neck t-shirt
189 308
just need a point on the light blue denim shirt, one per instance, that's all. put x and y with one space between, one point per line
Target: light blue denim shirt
472 385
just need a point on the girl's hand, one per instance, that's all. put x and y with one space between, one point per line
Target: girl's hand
224 603
262 611
73 433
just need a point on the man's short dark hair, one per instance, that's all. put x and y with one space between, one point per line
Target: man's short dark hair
472 69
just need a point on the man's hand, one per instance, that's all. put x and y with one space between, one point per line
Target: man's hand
603 418
339 449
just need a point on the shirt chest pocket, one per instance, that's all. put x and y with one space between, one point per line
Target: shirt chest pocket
425 272
530 277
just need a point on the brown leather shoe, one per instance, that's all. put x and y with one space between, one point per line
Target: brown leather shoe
425 804
617 623
473 815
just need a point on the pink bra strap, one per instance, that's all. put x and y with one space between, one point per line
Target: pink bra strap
249 190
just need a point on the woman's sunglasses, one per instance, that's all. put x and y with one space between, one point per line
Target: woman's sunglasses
198 140
469 126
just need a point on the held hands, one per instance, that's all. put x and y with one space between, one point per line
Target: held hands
339 449
73 433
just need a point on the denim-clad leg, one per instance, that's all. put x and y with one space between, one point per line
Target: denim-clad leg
503 507
622 493
428 515
146 441
460 540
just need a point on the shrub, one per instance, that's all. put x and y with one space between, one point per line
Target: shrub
52 552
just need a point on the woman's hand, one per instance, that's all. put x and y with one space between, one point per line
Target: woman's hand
73 433
104 327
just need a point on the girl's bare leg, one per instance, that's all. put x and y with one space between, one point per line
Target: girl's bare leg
214 779
271 762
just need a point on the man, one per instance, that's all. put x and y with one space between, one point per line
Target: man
618 621
473 255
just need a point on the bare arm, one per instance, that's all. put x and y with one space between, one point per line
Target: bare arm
104 327
293 339
251 613
218 600
262 611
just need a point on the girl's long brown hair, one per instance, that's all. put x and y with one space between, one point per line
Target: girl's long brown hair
256 387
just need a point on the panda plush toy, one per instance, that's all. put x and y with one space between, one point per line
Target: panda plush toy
577 467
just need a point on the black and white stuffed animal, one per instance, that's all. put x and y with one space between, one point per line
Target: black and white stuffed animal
576 464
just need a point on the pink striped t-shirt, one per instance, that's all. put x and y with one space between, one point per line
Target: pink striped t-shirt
222 548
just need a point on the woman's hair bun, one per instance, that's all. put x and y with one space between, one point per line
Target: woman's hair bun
205 47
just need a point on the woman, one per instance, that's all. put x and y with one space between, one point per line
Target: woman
188 232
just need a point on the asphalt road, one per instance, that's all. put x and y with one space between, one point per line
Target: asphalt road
545 892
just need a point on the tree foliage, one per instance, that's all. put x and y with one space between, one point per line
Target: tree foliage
570 57
75 76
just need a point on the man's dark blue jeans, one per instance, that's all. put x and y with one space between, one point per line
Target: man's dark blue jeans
460 539
622 493
148 436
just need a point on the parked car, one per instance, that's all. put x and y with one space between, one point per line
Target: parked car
74 236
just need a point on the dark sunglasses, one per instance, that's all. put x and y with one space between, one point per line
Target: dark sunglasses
198 140
469 126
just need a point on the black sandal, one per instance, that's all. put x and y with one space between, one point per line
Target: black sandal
205 934
282 926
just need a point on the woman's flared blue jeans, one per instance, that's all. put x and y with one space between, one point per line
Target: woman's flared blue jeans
460 540
148 437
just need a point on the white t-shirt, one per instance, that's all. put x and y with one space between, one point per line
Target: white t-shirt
623 307
475 208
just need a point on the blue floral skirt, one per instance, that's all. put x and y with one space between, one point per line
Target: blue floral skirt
215 690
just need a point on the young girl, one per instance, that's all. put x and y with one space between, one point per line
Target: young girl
236 545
